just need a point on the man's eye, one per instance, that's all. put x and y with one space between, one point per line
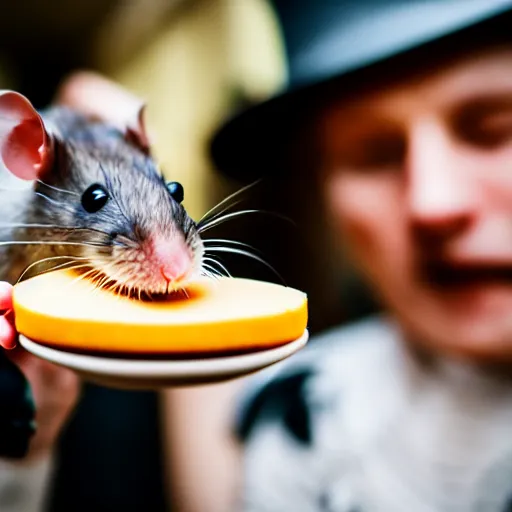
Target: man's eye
486 126
374 154
386 152
494 129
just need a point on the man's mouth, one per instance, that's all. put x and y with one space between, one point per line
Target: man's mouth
451 275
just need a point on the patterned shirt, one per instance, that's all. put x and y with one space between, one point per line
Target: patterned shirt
358 423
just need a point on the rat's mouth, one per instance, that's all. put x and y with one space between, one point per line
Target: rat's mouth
147 270
134 285
453 276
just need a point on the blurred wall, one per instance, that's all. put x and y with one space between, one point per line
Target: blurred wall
211 55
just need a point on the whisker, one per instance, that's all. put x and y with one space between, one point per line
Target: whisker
225 200
121 275
205 264
233 215
206 272
226 241
25 225
50 226
52 242
210 267
108 284
213 260
103 275
115 285
116 290
220 220
113 288
211 272
44 260
73 266
49 199
92 272
104 281
116 278
58 189
234 250
215 215
99 273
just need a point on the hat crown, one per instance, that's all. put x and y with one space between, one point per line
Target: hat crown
324 38
330 39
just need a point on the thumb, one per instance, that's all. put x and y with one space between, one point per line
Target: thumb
7 329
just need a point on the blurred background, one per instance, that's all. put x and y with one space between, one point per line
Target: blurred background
195 62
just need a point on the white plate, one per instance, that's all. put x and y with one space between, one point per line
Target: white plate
154 374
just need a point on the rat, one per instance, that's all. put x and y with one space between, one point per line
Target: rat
96 201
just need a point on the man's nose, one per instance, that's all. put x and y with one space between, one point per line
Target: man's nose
440 201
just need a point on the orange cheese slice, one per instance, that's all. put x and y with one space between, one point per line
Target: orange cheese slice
224 315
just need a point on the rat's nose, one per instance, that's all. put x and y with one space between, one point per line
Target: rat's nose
176 267
171 257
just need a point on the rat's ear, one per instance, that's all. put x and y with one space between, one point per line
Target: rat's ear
99 98
26 149
135 126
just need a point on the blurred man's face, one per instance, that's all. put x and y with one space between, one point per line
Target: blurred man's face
419 180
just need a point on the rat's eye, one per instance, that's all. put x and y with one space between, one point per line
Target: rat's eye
94 198
176 191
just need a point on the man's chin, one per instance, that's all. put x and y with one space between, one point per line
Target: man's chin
473 324
478 337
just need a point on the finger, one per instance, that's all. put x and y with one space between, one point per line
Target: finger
7 333
56 391
5 296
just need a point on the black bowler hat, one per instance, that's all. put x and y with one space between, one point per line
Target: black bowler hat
331 41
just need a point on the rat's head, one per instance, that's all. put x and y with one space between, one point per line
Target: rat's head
101 197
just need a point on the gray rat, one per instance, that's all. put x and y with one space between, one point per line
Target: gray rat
96 202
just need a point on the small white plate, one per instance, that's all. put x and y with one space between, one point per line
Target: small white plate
154 374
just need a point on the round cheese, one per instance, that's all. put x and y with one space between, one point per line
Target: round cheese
210 317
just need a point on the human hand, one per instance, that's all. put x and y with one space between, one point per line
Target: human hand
54 392
7 330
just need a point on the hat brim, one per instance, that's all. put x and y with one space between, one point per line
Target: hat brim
253 144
